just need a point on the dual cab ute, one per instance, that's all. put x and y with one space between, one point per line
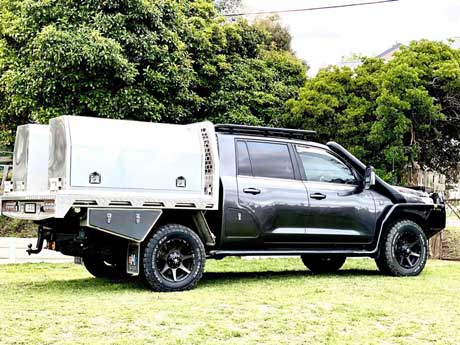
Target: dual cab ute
157 200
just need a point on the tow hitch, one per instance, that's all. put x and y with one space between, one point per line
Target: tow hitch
40 240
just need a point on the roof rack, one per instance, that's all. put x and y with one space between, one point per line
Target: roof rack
264 131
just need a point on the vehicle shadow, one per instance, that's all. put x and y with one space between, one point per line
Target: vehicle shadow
210 279
241 276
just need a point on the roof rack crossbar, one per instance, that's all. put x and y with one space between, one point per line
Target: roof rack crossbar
264 131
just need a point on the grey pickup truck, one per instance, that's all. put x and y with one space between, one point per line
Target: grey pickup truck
130 198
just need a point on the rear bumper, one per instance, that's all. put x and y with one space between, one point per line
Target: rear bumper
64 200
28 207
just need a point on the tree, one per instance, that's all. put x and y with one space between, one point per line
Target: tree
280 37
228 6
167 61
437 66
397 113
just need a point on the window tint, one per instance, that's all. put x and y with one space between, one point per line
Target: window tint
270 160
244 165
323 167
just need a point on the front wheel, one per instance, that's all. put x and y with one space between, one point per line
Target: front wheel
403 250
323 264
173 259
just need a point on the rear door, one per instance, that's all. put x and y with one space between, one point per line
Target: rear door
341 210
270 193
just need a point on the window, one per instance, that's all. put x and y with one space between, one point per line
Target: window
321 166
244 165
270 160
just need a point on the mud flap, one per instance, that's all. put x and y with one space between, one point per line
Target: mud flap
132 258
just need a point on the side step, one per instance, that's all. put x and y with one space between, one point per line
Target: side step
282 252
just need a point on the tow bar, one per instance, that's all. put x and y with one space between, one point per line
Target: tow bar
40 240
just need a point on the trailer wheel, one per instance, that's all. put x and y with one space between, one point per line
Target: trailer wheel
100 268
173 259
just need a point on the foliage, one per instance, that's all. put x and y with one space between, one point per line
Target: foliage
17 228
438 68
179 61
228 6
170 61
280 36
396 113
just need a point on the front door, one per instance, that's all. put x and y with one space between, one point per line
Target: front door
269 194
341 210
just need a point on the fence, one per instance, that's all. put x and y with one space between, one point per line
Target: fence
429 180
446 244
13 250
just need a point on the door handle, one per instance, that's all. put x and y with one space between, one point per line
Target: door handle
252 191
318 196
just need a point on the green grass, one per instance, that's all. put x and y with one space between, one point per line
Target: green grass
272 301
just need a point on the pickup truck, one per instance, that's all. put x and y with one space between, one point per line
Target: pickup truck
154 200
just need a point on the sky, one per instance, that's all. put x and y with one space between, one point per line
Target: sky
324 37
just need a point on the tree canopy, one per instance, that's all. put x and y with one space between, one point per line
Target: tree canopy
170 61
400 112
280 37
228 6
180 61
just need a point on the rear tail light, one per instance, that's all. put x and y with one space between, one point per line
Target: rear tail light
48 206
10 206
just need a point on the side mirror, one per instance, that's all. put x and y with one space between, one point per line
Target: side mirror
369 177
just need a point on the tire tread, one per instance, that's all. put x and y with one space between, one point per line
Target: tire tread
149 276
384 261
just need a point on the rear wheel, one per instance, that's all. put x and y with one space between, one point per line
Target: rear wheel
173 259
323 264
403 250
100 268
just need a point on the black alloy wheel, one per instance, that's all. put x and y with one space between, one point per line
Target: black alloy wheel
403 249
173 259
408 249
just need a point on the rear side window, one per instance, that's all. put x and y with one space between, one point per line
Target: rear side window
244 165
270 160
321 166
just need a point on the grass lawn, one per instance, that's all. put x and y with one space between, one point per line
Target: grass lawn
272 301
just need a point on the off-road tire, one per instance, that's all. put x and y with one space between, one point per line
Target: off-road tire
391 250
99 268
152 273
323 264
